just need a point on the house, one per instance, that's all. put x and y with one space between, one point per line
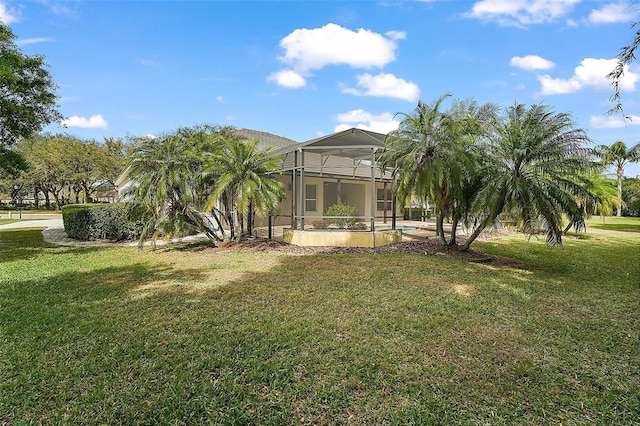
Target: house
341 167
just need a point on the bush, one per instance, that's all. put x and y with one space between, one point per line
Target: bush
358 226
346 212
100 222
320 224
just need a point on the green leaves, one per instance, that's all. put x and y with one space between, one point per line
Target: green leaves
180 176
242 176
27 92
435 156
475 165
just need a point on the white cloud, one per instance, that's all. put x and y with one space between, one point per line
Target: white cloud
220 99
531 62
309 49
147 136
8 16
612 122
521 12
27 41
590 74
306 50
93 122
612 13
383 123
149 63
385 85
396 35
288 78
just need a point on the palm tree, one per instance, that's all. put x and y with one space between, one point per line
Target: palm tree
167 186
535 172
243 176
419 156
433 156
603 197
619 156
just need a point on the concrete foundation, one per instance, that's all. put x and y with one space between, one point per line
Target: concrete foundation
338 238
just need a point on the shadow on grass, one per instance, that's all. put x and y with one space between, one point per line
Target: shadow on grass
22 244
50 301
621 227
19 243
196 246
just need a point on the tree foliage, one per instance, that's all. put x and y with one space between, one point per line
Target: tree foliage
434 155
197 179
11 163
60 165
243 176
626 56
478 166
535 172
27 92
619 156
166 186
631 195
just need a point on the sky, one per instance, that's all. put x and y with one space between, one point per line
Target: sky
304 69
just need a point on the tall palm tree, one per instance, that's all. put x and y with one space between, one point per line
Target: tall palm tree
433 156
419 155
619 156
243 175
535 172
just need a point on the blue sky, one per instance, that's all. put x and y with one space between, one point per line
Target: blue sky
305 69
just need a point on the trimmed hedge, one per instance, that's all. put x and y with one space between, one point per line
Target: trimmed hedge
100 222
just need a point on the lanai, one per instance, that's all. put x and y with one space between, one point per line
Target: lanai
350 154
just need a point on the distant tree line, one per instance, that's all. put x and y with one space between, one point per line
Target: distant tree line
56 169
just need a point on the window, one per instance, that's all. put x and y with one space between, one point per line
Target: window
311 199
380 198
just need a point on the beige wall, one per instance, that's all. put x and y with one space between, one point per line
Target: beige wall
353 192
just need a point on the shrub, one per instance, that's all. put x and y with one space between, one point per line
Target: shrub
358 226
320 224
100 222
345 212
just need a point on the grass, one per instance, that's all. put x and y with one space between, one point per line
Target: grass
187 336
17 212
6 221
623 224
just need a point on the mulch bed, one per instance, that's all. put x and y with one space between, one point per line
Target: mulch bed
428 247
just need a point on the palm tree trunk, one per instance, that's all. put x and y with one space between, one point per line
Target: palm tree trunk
454 227
490 219
203 223
440 228
620 176
568 227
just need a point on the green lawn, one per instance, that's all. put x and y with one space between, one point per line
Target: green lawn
186 336
4 221
625 224
17 212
